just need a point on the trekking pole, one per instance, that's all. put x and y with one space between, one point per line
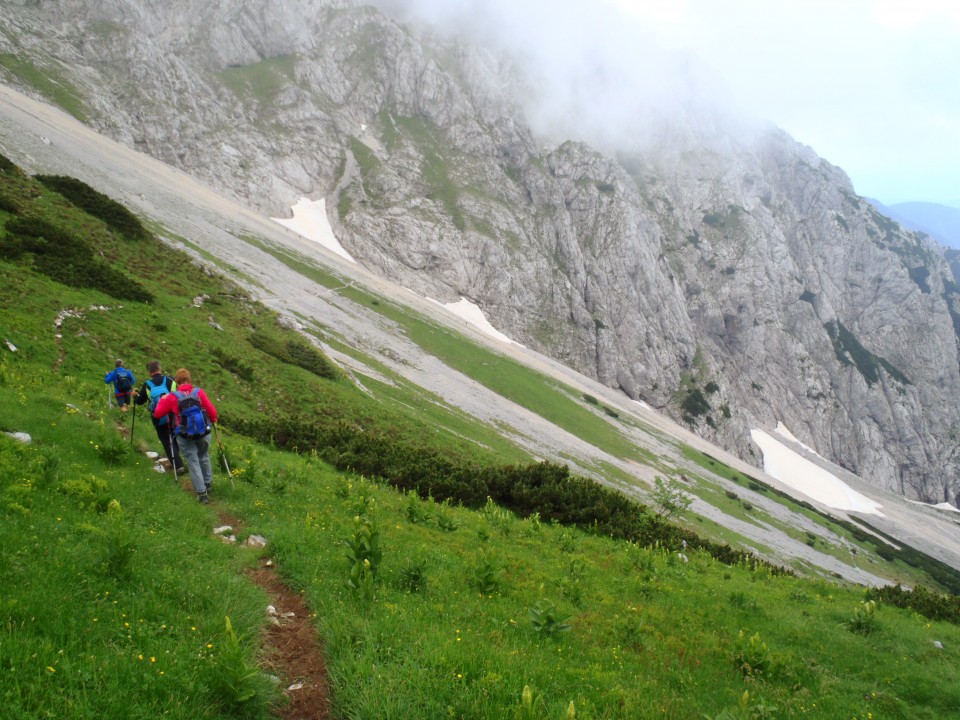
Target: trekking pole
223 454
173 459
133 422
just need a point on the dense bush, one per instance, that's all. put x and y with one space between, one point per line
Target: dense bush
694 404
296 352
67 259
233 364
97 204
544 488
929 604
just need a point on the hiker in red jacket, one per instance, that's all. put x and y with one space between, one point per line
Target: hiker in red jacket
192 414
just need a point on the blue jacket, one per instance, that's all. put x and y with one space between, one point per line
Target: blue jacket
114 376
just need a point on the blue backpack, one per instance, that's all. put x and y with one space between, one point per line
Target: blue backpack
157 392
193 419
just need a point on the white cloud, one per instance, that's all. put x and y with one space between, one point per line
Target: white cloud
869 84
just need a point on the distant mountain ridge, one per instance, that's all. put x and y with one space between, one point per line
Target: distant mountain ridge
941 222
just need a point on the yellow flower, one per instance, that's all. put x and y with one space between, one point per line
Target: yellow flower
50 669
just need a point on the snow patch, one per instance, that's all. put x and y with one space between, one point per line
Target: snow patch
938 506
470 312
801 474
784 432
310 220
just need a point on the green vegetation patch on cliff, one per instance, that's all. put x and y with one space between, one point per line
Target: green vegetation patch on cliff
849 351
50 83
263 80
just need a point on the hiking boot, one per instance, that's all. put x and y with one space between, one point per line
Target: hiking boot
204 498
181 470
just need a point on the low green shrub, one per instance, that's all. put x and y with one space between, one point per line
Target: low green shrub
547 620
97 204
297 352
412 577
751 655
864 618
545 488
111 447
62 256
233 364
932 605
487 574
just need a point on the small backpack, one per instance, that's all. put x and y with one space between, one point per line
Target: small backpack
124 381
157 392
193 419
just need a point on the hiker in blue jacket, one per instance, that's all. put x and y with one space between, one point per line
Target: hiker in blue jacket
153 389
123 382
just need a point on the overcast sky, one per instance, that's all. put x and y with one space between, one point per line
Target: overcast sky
871 85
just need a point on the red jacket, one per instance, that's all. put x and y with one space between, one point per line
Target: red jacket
170 404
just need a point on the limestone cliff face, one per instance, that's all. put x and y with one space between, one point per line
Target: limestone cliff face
731 282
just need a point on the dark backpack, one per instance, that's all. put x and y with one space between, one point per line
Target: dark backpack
124 381
193 419
157 392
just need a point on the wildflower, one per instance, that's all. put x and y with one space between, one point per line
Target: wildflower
50 669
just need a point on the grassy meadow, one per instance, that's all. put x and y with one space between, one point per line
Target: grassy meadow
114 592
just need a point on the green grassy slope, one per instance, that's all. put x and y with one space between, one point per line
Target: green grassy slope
113 591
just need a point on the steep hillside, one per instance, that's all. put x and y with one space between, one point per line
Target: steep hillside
740 271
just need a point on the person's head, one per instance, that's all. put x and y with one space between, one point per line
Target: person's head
182 377
153 367
119 363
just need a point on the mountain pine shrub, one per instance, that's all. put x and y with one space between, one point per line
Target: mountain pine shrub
97 204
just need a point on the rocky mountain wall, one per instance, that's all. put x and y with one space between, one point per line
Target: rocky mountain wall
733 280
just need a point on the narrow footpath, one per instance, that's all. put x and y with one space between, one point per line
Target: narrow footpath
290 645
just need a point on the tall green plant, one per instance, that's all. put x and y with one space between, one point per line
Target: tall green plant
363 547
236 679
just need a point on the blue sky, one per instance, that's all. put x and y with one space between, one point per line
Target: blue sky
870 85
